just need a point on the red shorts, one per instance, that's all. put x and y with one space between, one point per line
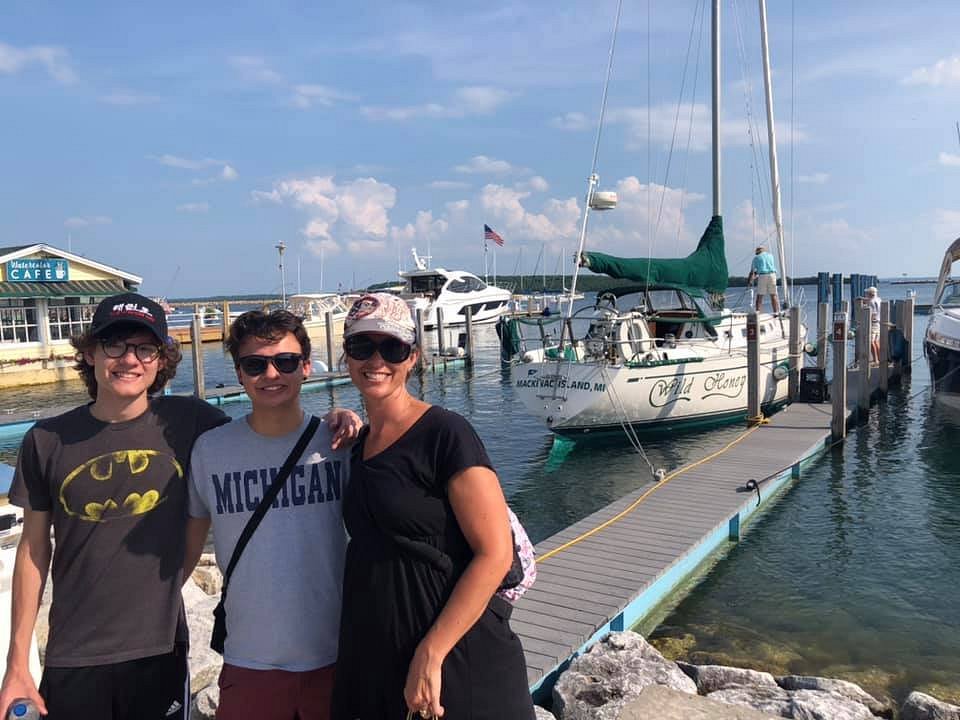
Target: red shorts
274 694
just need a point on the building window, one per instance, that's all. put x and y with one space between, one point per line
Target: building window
69 316
18 321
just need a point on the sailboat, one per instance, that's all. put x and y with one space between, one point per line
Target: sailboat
662 353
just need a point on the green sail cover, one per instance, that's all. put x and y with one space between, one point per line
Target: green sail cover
705 267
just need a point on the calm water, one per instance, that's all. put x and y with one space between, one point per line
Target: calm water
853 573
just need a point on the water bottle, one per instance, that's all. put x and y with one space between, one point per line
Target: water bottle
22 709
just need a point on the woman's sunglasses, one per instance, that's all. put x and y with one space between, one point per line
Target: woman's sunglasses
286 363
362 347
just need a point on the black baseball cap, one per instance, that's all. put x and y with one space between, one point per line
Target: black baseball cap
129 309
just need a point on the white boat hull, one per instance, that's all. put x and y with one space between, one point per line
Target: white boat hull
485 309
576 398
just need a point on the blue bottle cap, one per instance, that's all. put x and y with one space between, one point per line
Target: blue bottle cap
20 709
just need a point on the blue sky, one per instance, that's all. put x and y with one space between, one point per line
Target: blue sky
182 141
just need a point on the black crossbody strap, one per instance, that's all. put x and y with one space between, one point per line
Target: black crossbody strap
269 497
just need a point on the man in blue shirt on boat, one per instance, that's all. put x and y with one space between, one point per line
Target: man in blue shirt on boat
763 269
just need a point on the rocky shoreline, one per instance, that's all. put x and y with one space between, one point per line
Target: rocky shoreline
622 677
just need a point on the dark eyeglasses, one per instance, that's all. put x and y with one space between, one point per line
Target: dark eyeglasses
362 347
144 352
286 363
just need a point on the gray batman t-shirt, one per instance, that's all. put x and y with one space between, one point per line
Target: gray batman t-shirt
283 604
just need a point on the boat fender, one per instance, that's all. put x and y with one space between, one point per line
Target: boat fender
810 349
781 371
659 475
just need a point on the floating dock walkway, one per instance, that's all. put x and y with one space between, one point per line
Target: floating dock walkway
607 571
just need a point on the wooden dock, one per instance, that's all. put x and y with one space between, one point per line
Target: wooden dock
608 571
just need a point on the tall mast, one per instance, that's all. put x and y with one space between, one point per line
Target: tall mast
772 144
715 45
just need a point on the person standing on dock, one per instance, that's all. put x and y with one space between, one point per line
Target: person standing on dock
430 543
108 477
873 301
763 269
279 655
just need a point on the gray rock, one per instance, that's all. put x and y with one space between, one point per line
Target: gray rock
208 578
612 673
205 702
661 703
710 678
769 699
837 687
542 713
820 705
205 664
920 706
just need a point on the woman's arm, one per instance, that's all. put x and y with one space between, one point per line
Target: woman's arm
481 512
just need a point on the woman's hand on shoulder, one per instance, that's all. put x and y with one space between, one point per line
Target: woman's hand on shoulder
344 426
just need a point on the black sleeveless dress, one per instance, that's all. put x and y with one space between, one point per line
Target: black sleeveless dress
405 555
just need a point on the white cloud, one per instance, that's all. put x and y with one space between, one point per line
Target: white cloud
466 101
423 229
556 221
949 160
946 226
819 178
195 207
535 184
306 96
944 73
448 185
662 121
254 69
457 207
572 121
481 164
55 60
185 163
356 211
229 173
79 222
124 98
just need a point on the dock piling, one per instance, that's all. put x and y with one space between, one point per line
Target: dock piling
907 322
225 320
328 332
196 330
823 332
468 348
421 356
838 386
441 348
753 369
884 347
837 291
863 359
796 354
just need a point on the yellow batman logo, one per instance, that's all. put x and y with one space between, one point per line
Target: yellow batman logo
88 492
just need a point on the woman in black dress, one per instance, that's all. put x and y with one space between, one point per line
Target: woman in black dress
430 543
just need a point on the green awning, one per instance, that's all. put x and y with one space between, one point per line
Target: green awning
73 288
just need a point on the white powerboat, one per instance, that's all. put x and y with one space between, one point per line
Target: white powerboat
658 355
942 338
428 289
313 308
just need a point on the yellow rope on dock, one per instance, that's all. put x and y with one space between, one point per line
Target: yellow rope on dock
633 506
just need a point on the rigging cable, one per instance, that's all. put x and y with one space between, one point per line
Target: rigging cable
693 100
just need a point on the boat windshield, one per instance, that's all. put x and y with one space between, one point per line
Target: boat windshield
951 294
427 284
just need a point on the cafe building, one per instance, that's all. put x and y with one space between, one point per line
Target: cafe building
47 295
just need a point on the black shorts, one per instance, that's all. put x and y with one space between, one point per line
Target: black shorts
151 688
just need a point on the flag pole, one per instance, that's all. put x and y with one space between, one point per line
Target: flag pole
486 278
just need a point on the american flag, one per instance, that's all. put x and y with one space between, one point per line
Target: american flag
490 234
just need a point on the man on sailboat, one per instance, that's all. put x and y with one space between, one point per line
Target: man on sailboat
763 269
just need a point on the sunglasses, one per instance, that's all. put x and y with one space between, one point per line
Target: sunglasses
286 363
362 347
144 352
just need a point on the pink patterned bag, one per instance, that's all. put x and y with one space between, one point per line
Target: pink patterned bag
523 571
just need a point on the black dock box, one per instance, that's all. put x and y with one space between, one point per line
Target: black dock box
813 385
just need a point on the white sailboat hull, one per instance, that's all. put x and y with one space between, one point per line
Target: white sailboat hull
576 398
